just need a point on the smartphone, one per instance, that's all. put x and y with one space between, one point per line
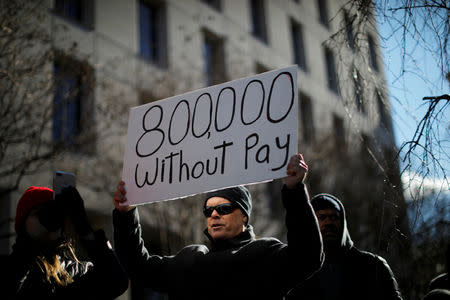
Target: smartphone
61 180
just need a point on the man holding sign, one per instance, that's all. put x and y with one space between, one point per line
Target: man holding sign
236 266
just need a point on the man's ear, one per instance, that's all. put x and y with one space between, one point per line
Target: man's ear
245 219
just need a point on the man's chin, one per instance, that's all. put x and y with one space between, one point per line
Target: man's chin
216 234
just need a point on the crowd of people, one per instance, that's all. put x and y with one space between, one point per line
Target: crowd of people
319 260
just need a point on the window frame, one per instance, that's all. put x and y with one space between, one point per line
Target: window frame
322 7
85 15
259 20
331 68
214 68
298 45
155 38
307 118
349 33
373 57
73 124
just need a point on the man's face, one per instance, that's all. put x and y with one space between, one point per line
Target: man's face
222 227
329 224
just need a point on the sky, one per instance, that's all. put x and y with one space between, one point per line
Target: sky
422 77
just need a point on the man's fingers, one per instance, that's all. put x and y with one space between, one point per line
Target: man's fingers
119 196
304 165
293 162
296 166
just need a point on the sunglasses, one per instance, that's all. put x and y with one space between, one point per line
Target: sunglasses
222 209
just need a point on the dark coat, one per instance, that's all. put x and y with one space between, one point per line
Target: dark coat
240 268
348 273
360 274
101 278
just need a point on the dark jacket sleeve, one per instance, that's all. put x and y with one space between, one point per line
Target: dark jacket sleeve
305 251
144 269
386 283
106 279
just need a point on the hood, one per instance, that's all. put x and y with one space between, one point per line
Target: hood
324 200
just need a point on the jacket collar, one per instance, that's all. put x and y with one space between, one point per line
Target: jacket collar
238 241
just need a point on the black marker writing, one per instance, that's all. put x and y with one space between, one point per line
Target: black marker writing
186 172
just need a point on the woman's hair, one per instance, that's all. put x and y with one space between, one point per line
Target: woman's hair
51 266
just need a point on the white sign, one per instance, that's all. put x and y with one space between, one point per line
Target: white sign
238 132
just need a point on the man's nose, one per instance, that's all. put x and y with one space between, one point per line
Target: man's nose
327 220
215 214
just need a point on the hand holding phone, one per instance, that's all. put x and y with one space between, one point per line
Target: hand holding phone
62 180
71 201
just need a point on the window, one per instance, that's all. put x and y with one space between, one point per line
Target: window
385 120
258 20
152 32
306 118
213 53
372 53
339 134
365 144
323 12
359 90
367 153
214 4
80 11
73 104
331 71
298 45
349 31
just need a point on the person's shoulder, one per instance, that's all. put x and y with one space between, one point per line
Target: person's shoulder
367 256
269 240
437 294
194 248
361 253
266 242
441 281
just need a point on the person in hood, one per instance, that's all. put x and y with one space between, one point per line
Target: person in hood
347 273
236 265
43 263
439 286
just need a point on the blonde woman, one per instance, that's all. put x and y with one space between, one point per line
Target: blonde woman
43 264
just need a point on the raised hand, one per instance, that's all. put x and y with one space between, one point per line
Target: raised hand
296 171
75 210
120 197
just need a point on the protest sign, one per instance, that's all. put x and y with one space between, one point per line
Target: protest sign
238 132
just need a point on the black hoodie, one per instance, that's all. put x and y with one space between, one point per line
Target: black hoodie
348 273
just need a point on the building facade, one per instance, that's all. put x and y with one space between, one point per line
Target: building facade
111 55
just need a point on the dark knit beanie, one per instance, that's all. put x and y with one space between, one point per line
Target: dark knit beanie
32 197
325 201
238 195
